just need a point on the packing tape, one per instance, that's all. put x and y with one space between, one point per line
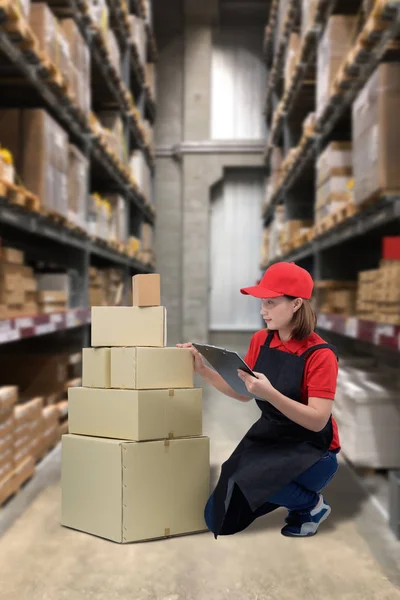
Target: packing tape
166 443
171 435
167 531
171 392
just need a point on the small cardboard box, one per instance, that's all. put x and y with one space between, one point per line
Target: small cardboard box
146 290
129 326
129 491
12 256
96 367
151 368
8 397
137 415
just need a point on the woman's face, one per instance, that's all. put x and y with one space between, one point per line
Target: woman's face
278 312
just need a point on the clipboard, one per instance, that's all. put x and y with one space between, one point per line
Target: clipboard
226 363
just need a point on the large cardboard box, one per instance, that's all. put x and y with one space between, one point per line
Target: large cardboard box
376 134
129 326
137 415
96 367
332 50
129 491
78 187
335 161
146 290
150 368
80 65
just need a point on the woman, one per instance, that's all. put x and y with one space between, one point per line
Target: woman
290 454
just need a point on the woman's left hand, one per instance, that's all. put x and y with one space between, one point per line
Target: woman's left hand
260 387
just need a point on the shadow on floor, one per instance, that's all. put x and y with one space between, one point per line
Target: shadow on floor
343 494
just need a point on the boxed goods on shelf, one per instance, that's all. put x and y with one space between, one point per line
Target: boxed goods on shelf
335 161
40 149
376 134
7 169
264 250
78 182
335 297
150 79
51 37
100 14
79 67
332 195
291 58
113 50
274 178
276 229
332 49
367 293
52 301
113 125
366 410
104 286
141 172
308 14
118 230
29 429
138 36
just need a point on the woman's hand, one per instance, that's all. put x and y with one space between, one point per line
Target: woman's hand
260 387
199 364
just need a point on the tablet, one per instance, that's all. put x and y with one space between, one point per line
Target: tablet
226 363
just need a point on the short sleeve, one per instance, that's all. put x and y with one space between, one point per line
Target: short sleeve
321 374
254 348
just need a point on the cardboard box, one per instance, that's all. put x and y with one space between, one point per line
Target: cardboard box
128 491
40 150
137 415
376 134
129 326
332 49
336 160
52 297
291 58
150 368
147 237
8 398
11 255
78 190
51 37
146 290
139 37
96 372
79 66
7 425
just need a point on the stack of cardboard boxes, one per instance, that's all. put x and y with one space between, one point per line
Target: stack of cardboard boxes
8 398
17 285
332 49
378 294
335 297
104 286
39 147
334 178
376 135
135 465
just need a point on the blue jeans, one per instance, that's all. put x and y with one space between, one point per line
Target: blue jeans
300 494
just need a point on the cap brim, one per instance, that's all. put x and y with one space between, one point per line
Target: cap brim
259 292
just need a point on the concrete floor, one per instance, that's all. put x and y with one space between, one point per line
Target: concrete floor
353 557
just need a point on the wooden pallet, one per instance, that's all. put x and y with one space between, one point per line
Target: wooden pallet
13 483
20 196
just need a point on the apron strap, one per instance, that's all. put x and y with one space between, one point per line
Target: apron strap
309 351
269 339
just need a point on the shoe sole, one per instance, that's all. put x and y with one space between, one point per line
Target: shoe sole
312 533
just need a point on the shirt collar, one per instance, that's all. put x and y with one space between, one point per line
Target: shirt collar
293 346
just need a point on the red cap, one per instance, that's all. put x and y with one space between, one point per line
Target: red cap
283 279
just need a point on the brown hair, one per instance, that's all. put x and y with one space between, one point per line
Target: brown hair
304 320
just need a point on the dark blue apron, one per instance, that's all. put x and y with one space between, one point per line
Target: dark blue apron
273 452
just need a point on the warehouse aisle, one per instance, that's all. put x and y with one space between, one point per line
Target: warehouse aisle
40 560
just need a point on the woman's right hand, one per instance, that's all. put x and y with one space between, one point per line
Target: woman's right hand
199 364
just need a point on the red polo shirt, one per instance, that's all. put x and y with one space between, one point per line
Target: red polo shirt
320 372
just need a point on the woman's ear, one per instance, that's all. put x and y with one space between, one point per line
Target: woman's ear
297 304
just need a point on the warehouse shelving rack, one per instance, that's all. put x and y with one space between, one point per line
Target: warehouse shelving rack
29 231
353 243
